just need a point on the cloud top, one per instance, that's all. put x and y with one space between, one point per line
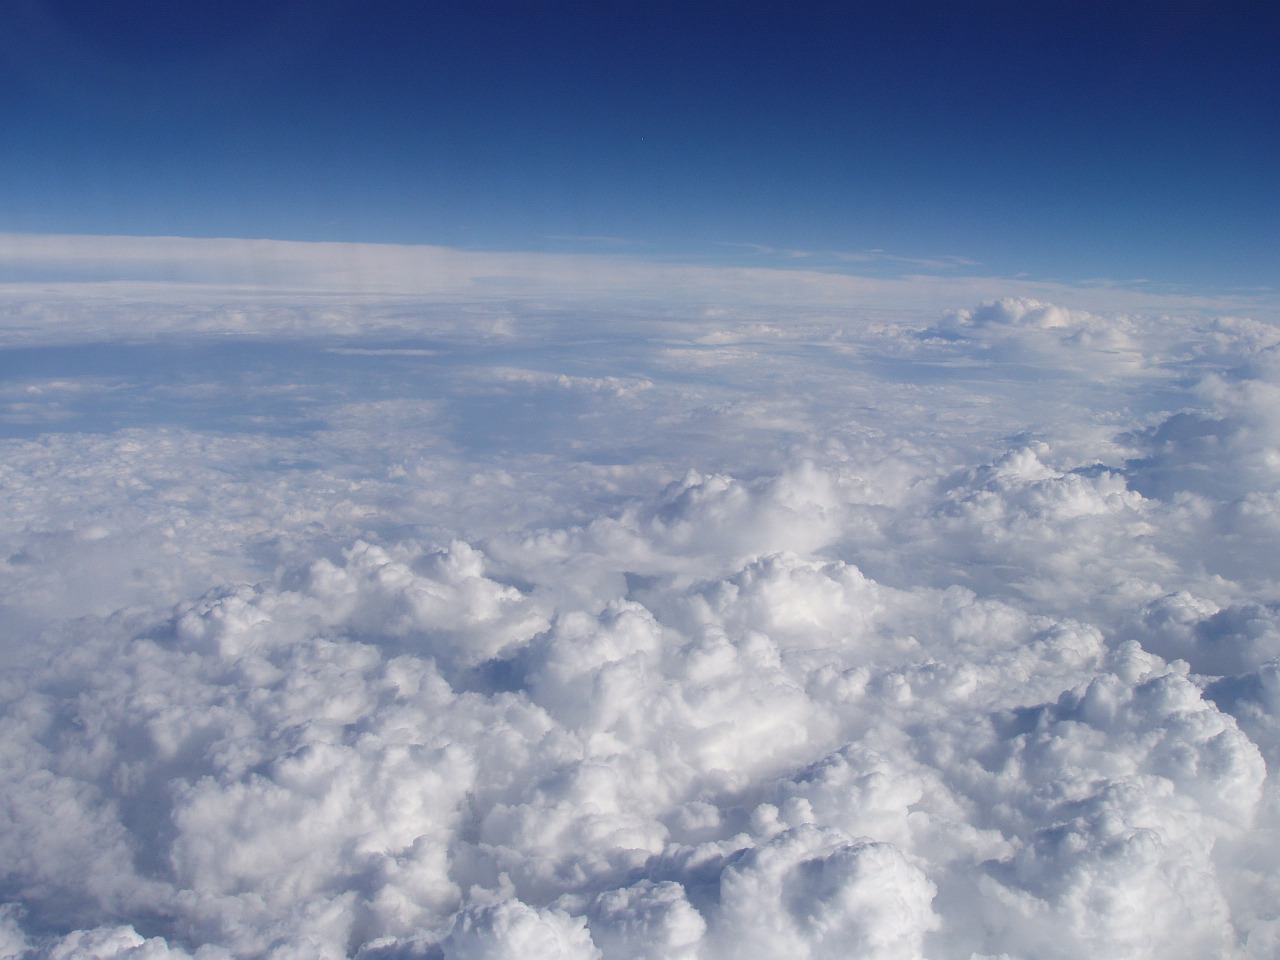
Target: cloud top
509 632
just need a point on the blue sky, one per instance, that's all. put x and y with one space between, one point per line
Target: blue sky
1066 141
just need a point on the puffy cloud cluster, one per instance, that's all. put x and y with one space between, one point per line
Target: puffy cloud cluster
401 751
971 696
1026 330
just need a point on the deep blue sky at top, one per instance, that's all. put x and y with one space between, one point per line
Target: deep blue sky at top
1062 140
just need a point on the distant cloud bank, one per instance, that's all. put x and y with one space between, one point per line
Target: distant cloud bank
259 266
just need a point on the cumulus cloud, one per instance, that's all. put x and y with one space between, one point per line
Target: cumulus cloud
728 763
1028 331
852 645
808 893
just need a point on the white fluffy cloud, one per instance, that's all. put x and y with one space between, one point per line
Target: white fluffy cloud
686 638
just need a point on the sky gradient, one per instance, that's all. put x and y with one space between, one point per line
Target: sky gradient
1071 142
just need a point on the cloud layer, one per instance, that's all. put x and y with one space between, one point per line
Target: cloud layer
952 636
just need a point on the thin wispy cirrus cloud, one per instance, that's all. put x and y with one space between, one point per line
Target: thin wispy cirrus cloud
432 600
861 257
